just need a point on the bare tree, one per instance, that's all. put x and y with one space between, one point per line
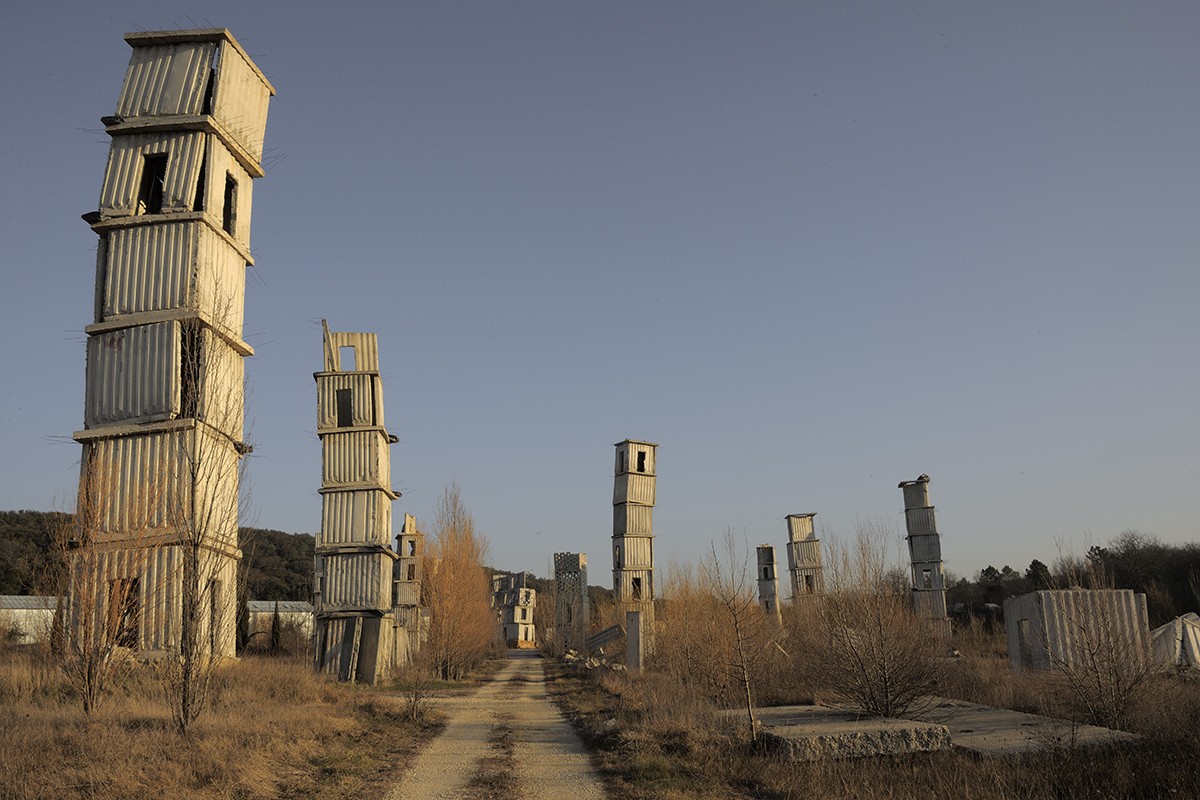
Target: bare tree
732 580
861 640
457 592
100 598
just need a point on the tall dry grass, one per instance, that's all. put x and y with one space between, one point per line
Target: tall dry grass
275 729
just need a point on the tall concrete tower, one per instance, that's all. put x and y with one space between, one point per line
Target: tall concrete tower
925 552
804 556
162 438
572 615
633 533
768 582
410 544
355 564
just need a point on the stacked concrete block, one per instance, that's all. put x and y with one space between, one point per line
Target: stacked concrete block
633 534
804 556
768 582
571 610
925 554
163 419
354 566
410 545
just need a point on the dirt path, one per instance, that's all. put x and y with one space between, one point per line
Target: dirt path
508 715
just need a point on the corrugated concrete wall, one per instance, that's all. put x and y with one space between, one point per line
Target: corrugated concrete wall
1055 628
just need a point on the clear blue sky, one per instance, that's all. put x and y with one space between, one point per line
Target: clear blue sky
813 249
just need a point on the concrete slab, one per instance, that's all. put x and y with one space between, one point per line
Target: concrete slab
808 733
1000 731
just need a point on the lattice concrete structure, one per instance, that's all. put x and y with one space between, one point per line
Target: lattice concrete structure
406 598
633 533
354 561
925 553
768 581
514 600
572 615
1070 628
163 415
804 556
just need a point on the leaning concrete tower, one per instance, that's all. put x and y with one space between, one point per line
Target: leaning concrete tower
633 533
925 552
157 548
768 582
354 561
804 556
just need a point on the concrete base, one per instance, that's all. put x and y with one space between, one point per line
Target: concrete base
999 731
808 733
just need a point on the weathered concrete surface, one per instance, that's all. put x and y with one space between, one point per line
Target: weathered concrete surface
807 733
550 760
999 731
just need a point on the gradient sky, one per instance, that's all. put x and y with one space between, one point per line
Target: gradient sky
812 249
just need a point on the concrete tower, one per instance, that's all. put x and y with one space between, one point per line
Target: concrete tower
410 544
571 612
633 533
355 564
804 556
925 552
768 582
162 437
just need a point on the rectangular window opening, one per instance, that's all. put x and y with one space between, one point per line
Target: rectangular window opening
190 365
637 588
345 408
809 584
198 202
348 358
620 462
641 460
927 579
229 213
412 547
208 90
150 191
412 572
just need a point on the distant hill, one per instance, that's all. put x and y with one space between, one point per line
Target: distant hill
276 565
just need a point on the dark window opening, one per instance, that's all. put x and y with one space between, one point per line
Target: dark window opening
412 572
150 191
568 614
345 408
229 214
637 588
927 579
348 358
412 547
617 555
208 92
641 460
190 360
620 462
124 601
198 202
766 573
809 584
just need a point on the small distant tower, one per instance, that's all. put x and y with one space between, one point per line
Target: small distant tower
768 582
410 544
354 561
163 415
571 613
633 533
925 552
804 556
515 601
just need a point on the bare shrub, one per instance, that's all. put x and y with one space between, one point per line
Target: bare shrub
861 640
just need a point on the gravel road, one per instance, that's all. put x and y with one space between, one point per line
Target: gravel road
549 760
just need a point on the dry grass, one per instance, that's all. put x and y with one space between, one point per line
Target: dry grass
274 730
663 743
